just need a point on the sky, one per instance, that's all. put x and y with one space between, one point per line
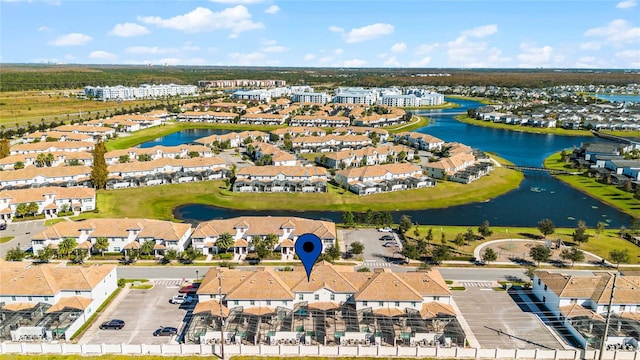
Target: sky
331 33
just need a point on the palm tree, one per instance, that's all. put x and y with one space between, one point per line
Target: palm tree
66 246
224 241
147 247
102 244
270 242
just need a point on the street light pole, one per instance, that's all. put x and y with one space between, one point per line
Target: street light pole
196 275
221 318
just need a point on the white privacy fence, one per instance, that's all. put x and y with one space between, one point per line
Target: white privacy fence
319 350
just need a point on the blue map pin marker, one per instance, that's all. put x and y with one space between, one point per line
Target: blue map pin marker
308 247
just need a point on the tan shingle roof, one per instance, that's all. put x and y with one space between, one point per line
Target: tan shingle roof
578 311
387 286
37 194
366 172
212 307
47 172
261 284
435 309
265 225
72 302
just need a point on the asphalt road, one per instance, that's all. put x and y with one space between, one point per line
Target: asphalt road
22 232
472 274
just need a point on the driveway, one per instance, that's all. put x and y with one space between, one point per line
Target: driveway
143 312
22 232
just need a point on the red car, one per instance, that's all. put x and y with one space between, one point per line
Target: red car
189 289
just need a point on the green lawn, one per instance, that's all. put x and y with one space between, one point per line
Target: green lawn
609 194
6 239
158 202
53 221
422 122
528 129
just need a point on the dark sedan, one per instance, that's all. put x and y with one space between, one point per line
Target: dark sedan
165 331
112 324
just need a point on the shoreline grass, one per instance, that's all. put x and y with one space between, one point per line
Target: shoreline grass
608 194
445 105
158 202
553 131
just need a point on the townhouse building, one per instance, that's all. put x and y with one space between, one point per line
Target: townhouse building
581 304
395 117
58 159
278 157
50 302
448 167
234 139
341 305
165 171
272 178
419 140
319 120
382 134
56 136
50 147
363 157
66 176
304 144
383 178
246 230
158 152
263 119
133 122
208 116
50 200
99 133
122 234
311 97
295 131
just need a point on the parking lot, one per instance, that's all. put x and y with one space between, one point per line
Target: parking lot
374 249
498 322
143 311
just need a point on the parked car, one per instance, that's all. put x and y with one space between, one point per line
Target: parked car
385 229
387 237
112 324
3 226
189 289
390 244
165 331
181 299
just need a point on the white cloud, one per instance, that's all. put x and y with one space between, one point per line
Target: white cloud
481 31
589 62
337 29
532 56
590 45
237 19
149 50
236 1
247 59
369 32
44 28
463 52
354 63
309 57
73 39
338 51
325 60
129 30
424 62
618 31
391 62
274 48
495 58
426 48
626 4
399 47
629 54
273 9
102 55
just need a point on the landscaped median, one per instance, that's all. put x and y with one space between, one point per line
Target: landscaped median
608 194
158 202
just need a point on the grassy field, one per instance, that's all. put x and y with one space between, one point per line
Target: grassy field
157 202
21 107
6 239
609 194
422 122
600 245
553 131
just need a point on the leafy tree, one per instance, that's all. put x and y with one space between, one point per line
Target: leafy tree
357 248
489 255
224 241
416 231
469 236
18 165
402 156
45 254
194 154
22 209
189 255
5 148
484 229
574 255
99 171
270 241
332 253
40 160
546 227
619 256
459 240
363 269
405 223
600 228
66 246
32 208
429 236
169 256
440 254
579 234
15 254
410 251
530 272
147 247
144 157
540 253
443 238
348 218
260 247
123 159
78 256
102 244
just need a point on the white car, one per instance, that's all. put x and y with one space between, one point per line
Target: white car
385 229
181 299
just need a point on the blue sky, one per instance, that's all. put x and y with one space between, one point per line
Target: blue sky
371 33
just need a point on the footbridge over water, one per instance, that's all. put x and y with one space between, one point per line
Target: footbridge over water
541 169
